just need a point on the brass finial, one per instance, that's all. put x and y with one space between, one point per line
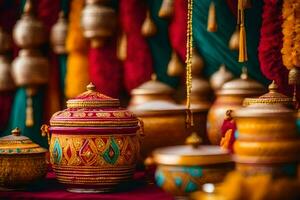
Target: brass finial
153 77
273 87
16 132
194 140
61 15
28 7
244 74
91 87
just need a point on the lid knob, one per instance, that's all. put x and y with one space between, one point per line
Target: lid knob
153 77
194 140
91 87
244 74
16 132
273 87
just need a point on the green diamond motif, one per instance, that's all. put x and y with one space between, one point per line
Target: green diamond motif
57 152
112 153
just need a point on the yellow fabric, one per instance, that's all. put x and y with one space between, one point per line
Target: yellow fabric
291 33
77 76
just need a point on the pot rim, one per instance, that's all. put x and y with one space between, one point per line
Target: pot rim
92 130
147 112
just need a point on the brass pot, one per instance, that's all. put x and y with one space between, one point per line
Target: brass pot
22 162
162 119
230 97
184 169
150 91
30 68
58 34
5 41
220 77
95 24
6 80
29 32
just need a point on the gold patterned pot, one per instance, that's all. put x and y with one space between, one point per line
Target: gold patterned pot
230 97
150 91
22 162
6 80
184 169
94 22
58 34
162 119
220 77
94 143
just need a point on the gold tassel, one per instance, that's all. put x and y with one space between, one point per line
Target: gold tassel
175 66
242 40
122 47
167 9
294 79
29 121
148 28
212 25
234 41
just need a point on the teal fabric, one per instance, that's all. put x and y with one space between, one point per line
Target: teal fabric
62 72
214 46
160 45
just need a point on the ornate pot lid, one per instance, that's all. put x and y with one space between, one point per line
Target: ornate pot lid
93 109
192 154
220 77
17 144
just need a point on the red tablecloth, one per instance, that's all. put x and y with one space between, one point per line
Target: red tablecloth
50 189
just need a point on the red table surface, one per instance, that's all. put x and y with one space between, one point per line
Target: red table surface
51 189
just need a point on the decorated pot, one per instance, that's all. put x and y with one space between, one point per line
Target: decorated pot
58 34
267 139
230 97
162 119
94 143
22 162
220 77
184 169
150 91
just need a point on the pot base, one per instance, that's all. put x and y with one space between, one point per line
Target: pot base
89 190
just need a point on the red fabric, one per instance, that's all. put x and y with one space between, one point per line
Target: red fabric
6 99
178 28
271 44
138 63
227 125
51 190
105 69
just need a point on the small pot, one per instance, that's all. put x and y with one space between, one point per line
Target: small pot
184 169
59 34
94 144
22 162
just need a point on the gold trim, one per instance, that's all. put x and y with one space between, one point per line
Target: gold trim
92 104
115 123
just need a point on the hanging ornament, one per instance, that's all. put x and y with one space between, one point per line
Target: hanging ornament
220 77
175 66
167 9
58 34
30 69
243 57
95 24
122 47
234 42
148 28
197 63
212 25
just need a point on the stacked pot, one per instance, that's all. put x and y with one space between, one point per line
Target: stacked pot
267 140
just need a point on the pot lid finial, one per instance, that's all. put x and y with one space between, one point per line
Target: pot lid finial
91 87
16 132
194 140
244 74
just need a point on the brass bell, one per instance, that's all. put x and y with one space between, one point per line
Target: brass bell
6 80
234 41
98 22
167 9
148 28
175 66
29 32
197 63
5 41
220 77
58 34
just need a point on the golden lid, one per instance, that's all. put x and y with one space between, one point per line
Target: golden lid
220 77
272 97
192 154
242 86
153 87
17 144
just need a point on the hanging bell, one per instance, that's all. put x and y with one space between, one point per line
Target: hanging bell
294 76
167 9
29 32
197 63
58 34
234 41
98 22
6 80
175 66
212 25
5 41
220 77
148 28
122 47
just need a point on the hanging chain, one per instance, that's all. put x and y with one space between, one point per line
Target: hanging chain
189 55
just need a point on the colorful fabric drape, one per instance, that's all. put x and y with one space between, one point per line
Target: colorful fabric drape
77 76
138 63
270 45
214 46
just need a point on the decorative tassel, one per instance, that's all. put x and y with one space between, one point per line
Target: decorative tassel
243 57
167 9
234 42
122 47
175 66
77 65
294 79
212 25
29 122
148 28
